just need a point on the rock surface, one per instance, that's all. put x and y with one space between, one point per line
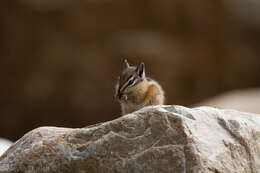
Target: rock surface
4 145
154 139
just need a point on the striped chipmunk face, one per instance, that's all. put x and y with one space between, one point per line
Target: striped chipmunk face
129 79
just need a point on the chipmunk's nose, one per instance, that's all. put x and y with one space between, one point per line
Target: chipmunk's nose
122 96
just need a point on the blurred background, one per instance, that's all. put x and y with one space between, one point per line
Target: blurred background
59 59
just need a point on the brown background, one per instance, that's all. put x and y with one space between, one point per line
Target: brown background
59 59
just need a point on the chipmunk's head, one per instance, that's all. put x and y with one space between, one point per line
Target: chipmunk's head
129 79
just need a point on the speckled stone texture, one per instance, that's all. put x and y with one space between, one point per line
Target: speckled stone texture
157 139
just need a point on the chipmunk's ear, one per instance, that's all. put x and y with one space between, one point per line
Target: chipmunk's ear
125 64
141 70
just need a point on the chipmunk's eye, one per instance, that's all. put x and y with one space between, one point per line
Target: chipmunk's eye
131 81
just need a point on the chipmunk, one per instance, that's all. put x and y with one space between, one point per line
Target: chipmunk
135 91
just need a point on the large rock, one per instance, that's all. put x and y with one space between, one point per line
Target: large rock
154 139
4 145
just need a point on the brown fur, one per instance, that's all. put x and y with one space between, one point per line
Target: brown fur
146 94
143 93
151 94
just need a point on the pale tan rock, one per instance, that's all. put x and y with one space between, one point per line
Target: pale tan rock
155 139
247 100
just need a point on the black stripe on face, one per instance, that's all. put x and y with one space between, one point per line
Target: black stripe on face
136 80
129 79
125 84
118 91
